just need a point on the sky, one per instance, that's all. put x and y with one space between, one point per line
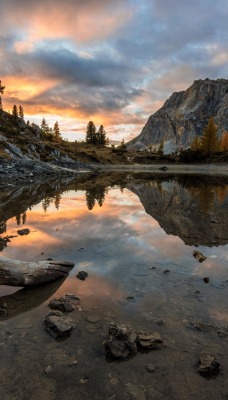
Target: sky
114 62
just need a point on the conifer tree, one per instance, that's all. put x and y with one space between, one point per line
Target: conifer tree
224 142
56 132
161 148
21 112
101 136
15 111
209 141
44 126
2 88
91 135
0 103
196 144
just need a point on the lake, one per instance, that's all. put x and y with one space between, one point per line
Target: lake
134 234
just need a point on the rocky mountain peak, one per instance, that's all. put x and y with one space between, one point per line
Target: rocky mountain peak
184 116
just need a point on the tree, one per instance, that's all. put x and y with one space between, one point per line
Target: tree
91 134
101 136
122 145
210 141
224 142
161 148
196 144
44 126
21 112
2 88
56 132
15 111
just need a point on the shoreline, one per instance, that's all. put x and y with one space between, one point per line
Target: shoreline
197 169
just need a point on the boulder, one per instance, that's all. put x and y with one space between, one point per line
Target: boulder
58 325
207 364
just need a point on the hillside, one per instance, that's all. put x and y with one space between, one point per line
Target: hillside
19 141
184 116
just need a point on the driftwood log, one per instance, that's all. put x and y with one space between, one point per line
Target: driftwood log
28 274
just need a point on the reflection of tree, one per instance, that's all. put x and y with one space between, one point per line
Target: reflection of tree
47 201
3 227
21 218
221 192
18 219
204 195
57 200
93 195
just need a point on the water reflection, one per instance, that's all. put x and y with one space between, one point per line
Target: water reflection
25 300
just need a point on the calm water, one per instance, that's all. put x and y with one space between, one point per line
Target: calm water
124 237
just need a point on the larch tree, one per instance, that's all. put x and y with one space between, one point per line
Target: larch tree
2 88
56 132
15 111
91 134
196 144
21 112
210 142
224 142
44 126
101 136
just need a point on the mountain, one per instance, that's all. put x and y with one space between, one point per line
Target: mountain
187 210
184 115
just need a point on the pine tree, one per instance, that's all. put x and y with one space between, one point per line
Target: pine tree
196 144
44 126
21 112
15 111
91 135
209 141
2 88
161 148
56 132
0 103
101 136
224 142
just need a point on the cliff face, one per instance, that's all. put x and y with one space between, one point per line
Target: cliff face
197 214
185 114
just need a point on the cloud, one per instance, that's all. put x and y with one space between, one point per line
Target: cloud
111 60
83 21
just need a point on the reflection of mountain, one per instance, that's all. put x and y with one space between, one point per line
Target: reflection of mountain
198 214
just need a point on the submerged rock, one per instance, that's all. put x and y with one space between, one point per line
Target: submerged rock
82 275
65 303
207 364
23 232
58 325
150 340
199 256
121 342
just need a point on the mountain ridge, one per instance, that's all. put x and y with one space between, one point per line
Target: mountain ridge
184 116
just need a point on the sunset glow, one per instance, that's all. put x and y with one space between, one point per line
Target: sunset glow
113 62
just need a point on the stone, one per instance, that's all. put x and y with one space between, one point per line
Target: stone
165 271
149 340
58 325
82 275
61 304
199 256
150 367
23 232
206 279
207 364
121 342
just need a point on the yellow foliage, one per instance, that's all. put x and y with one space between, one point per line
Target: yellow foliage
224 142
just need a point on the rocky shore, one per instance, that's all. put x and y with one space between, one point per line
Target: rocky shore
17 172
